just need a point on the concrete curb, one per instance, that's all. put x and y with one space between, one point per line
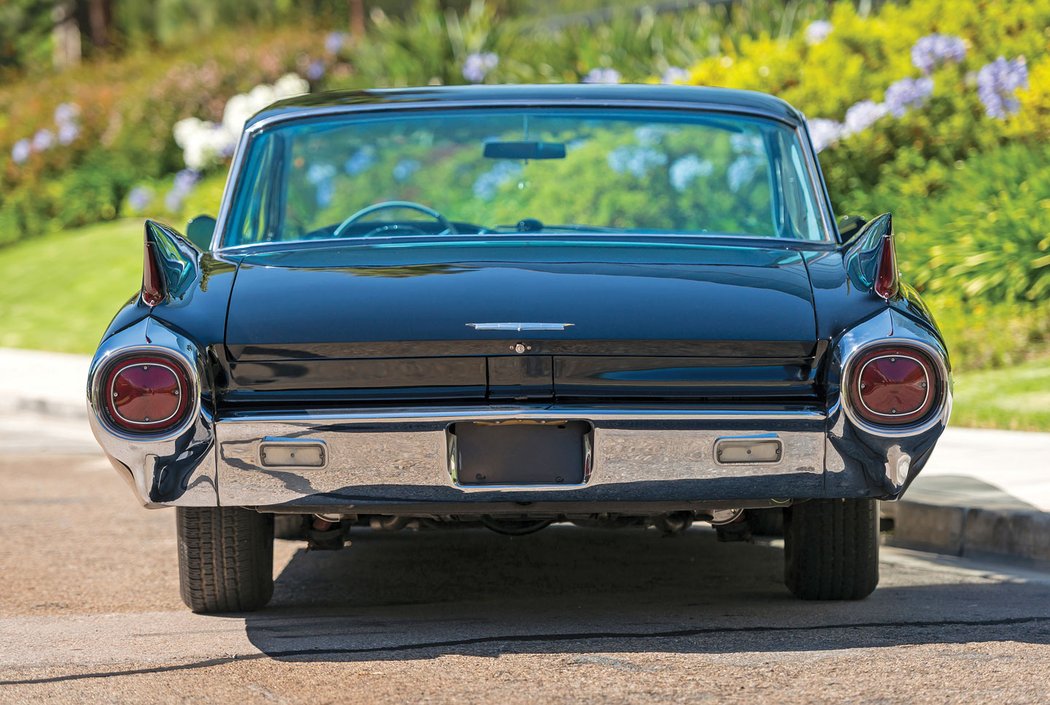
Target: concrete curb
47 383
970 531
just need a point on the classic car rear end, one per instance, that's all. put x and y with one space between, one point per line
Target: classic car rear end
386 327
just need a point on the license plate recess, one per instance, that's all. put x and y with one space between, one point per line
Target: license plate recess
522 453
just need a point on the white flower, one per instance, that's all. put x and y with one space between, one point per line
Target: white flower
674 75
863 115
602 76
824 133
205 143
817 32
289 85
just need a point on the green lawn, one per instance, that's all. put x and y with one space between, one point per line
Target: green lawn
1013 397
59 292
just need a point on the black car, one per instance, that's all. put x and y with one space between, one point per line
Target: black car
511 306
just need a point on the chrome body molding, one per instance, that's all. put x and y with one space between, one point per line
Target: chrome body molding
176 467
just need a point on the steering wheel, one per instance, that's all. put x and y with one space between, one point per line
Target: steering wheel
449 229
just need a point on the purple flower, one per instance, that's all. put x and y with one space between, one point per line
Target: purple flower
863 115
747 143
602 76
405 168
67 132
185 180
321 176
140 198
935 49
478 65
824 133
315 71
636 161
741 171
181 186
908 93
997 85
173 201
817 32
334 42
20 151
686 170
360 161
66 113
43 140
488 184
674 75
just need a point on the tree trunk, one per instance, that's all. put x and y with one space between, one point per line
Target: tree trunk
357 19
100 21
65 36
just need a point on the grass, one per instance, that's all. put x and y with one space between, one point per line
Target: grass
59 292
1015 397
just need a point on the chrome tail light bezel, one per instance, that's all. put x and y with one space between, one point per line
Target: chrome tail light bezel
187 412
933 362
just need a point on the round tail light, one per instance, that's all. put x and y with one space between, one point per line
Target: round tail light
146 393
894 386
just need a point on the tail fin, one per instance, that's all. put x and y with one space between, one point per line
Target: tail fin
171 264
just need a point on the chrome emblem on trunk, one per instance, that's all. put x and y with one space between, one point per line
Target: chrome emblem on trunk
519 326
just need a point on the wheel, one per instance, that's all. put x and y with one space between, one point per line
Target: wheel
225 558
766 522
831 549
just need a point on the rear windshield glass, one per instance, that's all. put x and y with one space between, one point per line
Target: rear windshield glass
415 174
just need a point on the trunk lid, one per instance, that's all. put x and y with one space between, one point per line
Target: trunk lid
653 320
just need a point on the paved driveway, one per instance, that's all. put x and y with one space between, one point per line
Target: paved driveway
89 612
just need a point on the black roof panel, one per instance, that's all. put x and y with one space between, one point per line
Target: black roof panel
587 94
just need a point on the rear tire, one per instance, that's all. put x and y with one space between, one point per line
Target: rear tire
225 558
831 549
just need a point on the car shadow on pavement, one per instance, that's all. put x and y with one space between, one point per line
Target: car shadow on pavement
418 595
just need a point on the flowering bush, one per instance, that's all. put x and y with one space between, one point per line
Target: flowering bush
74 145
205 143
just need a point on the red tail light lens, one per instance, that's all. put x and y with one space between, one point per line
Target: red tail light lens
894 385
146 393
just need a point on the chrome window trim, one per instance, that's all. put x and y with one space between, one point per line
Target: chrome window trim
240 153
925 373
113 392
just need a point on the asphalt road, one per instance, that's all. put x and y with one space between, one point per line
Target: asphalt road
89 612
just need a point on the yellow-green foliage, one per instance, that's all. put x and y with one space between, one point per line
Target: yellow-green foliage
864 55
971 191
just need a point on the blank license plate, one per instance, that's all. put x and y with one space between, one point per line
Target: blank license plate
521 453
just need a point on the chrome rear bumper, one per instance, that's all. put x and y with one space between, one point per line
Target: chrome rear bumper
403 457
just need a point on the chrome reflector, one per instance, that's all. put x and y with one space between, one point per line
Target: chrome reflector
767 449
295 454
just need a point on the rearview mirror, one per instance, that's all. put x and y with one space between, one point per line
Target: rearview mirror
850 225
200 230
524 150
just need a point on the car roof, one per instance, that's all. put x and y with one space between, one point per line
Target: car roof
583 94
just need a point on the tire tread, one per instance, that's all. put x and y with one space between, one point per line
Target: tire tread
831 549
225 558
